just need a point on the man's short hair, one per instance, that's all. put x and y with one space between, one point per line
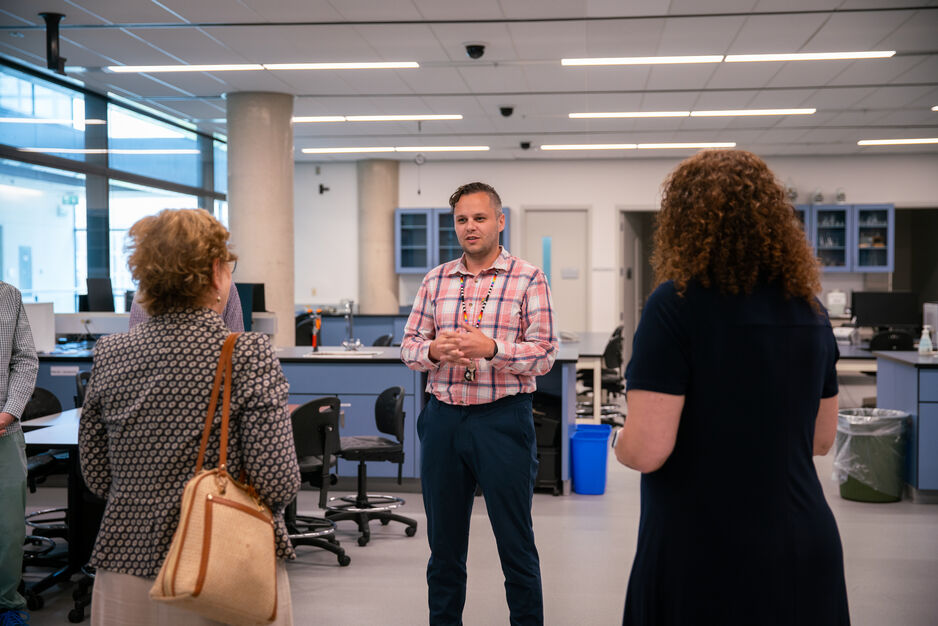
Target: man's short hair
470 188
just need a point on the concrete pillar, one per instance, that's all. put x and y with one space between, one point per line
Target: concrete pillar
377 199
260 198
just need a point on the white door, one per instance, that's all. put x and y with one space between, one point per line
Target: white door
564 236
630 273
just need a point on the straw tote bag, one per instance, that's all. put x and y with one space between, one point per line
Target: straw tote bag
222 561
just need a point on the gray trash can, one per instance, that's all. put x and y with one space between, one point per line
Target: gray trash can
869 457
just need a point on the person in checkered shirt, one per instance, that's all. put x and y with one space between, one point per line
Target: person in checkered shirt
483 328
18 368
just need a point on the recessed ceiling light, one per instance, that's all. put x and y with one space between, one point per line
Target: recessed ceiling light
590 146
809 56
621 114
896 142
395 149
735 112
253 67
388 65
372 118
153 69
709 58
682 146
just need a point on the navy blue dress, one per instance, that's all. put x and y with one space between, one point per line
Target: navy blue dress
734 526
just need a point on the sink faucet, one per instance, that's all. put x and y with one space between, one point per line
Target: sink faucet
350 343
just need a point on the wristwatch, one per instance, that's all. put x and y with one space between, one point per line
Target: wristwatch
615 436
489 358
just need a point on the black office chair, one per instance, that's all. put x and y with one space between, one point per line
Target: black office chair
384 340
892 340
81 384
612 381
316 437
364 507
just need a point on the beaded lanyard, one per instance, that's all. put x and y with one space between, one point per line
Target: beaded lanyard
470 374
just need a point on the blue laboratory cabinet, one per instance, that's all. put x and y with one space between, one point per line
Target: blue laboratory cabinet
851 238
908 382
424 238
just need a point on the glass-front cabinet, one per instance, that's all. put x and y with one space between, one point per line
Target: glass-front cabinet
851 238
874 235
832 237
424 238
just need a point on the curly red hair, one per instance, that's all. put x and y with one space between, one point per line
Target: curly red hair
725 221
172 258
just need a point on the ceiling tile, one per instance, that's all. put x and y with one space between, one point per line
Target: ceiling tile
889 97
693 76
458 9
295 44
855 31
190 45
916 33
495 36
404 42
289 10
806 73
702 35
551 40
209 11
925 71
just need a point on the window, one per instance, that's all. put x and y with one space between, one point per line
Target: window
150 147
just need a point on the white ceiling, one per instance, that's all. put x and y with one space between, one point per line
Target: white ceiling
525 40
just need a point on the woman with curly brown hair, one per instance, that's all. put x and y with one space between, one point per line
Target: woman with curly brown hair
732 388
145 410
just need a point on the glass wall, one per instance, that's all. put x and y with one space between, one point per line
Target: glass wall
79 169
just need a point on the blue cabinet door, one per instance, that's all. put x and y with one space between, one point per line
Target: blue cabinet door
414 241
833 236
873 237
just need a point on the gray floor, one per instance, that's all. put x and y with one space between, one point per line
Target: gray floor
586 545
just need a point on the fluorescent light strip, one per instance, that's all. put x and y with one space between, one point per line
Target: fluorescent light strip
153 69
34 120
254 67
809 56
735 112
590 146
897 142
630 114
727 113
389 65
113 150
372 118
673 146
395 149
711 58
934 108
23 191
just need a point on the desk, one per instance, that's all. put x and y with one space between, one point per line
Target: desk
590 347
60 430
855 360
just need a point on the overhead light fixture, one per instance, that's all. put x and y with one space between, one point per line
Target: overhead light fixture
709 58
682 146
254 67
735 112
395 149
590 146
153 69
630 114
384 65
897 142
934 108
372 118
726 113
809 56
113 150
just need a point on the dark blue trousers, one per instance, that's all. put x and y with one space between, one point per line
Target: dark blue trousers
491 445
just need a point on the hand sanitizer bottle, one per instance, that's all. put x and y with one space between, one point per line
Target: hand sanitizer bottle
924 344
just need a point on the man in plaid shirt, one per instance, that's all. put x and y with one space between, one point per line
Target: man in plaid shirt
18 368
483 328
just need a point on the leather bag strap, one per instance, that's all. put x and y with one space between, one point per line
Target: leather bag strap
222 371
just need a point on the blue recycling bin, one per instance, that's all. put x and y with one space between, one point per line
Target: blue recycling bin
589 446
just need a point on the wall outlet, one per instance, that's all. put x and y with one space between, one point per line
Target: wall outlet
312 291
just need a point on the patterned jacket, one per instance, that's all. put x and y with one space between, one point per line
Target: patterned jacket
18 362
142 421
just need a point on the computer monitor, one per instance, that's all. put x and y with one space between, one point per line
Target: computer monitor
42 324
100 294
252 299
887 309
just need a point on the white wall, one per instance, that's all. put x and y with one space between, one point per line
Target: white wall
326 233
605 186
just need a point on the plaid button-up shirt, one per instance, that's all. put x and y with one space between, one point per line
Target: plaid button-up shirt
518 316
18 362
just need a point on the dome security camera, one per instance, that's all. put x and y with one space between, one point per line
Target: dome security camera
525 145
506 111
475 50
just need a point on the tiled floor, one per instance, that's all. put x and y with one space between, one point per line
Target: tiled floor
586 545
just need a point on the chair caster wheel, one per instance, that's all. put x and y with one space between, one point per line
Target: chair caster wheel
410 531
76 616
34 601
363 540
385 521
344 560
